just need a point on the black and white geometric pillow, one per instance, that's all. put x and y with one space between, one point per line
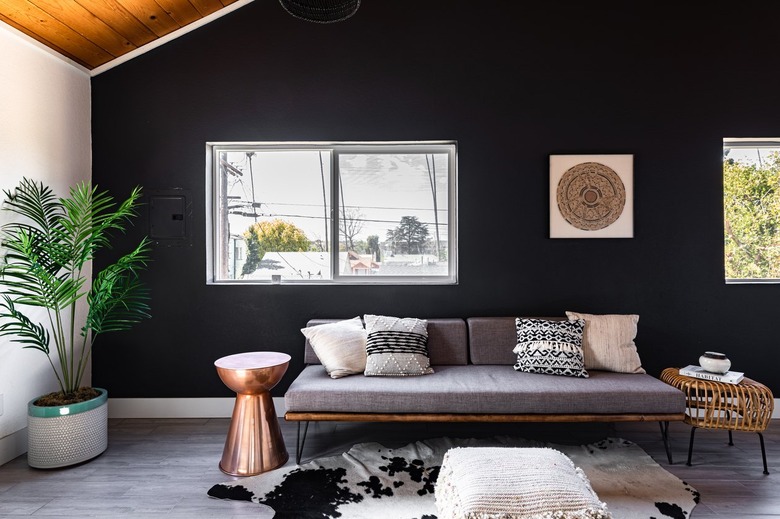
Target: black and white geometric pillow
550 347
396 346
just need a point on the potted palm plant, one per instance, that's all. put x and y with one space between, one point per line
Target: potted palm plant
46 250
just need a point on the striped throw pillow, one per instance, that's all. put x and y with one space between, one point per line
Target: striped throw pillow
396 346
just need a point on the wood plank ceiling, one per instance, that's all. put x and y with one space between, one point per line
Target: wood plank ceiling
94 32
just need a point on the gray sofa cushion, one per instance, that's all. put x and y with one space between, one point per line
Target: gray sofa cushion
492 339
481 390
447 342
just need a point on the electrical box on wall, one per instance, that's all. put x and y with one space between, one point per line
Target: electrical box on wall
170 216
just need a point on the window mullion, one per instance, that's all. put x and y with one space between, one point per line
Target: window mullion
334 213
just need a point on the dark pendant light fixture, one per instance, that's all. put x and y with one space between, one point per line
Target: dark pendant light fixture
321 11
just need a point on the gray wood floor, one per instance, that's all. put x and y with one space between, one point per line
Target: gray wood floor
163 468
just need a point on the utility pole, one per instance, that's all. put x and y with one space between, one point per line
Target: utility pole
222 209
249 155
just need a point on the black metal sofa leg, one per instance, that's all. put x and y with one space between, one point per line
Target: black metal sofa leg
667 443
690 446
300 440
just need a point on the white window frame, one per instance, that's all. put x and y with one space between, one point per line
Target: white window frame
213 219
737 143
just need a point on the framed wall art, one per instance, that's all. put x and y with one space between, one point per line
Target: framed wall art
591 196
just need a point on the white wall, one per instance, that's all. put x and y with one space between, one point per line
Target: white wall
45 136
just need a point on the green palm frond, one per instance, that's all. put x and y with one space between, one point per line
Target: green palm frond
31 246
90 216
22 329
36 202
118 299
31 274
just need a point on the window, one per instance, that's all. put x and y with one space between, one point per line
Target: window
332 213
751 201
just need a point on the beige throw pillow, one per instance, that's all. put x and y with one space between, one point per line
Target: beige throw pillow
608 342
340 346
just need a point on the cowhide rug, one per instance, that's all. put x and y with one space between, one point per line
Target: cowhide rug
371 481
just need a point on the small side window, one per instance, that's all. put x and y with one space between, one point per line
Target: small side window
751 207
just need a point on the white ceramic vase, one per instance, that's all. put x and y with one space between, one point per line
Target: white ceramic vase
715 362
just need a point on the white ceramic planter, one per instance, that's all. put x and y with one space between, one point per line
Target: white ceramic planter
68 434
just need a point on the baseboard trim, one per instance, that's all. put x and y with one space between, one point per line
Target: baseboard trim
178 407
13 446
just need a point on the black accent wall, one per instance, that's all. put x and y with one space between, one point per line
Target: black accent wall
512 83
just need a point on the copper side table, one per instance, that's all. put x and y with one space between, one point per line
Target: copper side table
745 407
254 441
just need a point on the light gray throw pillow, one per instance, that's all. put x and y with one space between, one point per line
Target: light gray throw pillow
340 346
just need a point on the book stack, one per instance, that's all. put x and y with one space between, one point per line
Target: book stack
730 377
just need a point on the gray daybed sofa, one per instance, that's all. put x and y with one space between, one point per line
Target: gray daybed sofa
474 381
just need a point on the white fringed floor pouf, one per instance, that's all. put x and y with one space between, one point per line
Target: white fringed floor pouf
514 483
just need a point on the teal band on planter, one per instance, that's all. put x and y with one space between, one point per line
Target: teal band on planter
65 410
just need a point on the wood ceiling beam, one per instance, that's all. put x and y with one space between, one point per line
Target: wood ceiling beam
87 24
206 7
95 32
120 20
42 40
38 24
151 15
182 11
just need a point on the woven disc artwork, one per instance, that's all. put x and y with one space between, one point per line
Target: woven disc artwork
591 196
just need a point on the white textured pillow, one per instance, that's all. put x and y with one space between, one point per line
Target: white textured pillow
608 342
340 346
396 346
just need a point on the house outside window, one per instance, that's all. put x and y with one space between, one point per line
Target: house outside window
751 202
332 213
